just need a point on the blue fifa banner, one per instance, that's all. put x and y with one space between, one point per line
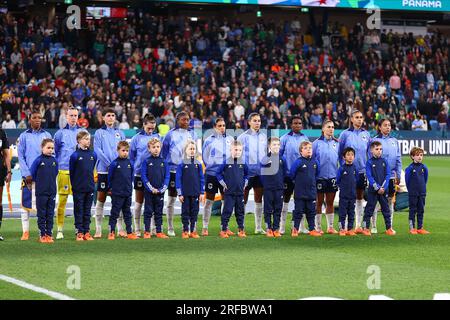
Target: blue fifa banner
430 141
431 147
419 5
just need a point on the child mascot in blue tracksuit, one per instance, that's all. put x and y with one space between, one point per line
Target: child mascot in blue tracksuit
81 169
190 184
304 173
44 171
273 173
120 177
346 179
155 175
378 174
416 176
233 176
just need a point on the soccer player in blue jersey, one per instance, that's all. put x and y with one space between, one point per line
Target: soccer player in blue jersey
290 143
172 150
325 151
28 149
254 141
359 139
138 153
105 146
391 152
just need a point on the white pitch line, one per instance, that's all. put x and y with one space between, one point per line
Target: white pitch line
23 284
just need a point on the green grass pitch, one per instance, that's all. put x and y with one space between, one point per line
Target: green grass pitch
412 267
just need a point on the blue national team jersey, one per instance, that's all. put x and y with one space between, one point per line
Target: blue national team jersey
29 148
254 150
358 140
326 152
105 146
391 152
139 149
290 147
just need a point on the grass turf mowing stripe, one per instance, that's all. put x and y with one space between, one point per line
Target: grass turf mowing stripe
29 286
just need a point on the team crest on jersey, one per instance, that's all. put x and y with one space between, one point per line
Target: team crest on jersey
304 166
139 184
103 185
228 141
315 166
150 164
162 164
345 172
117 136
196 165
319 186
384 165
129 166
185 166
210 185
66 187
229 166
373 166
92 158
118 167
172 184
364 137
80 158
240 166
42 164
54 164
334 145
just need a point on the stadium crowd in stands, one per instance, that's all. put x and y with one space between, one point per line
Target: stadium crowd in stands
220 68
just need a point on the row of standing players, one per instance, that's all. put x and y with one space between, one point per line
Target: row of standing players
325 155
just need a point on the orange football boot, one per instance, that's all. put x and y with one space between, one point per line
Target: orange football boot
390 232
241 234
147 235
132 236
276 234
230 233
223 234
194 235
88 237
315 233
161 235
185 235
80 237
